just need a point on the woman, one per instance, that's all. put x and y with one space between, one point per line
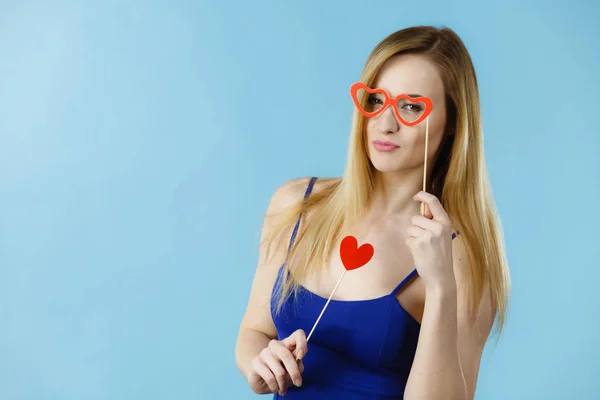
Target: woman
413 322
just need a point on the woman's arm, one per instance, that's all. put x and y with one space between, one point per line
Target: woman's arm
448 355
257 327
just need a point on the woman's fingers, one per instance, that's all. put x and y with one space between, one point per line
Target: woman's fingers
289 362
262 370
427 224
296 343
276 368
277 364
414 231
435 207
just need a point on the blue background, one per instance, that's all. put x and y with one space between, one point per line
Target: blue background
140 142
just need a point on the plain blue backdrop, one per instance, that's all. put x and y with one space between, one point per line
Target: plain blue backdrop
140 142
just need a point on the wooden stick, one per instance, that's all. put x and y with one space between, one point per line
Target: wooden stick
325 306
425 167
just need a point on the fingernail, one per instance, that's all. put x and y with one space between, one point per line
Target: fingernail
298 382
300 353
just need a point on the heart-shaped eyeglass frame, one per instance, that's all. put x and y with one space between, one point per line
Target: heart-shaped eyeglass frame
389 101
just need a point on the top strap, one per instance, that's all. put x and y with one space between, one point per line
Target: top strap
414 272
306 194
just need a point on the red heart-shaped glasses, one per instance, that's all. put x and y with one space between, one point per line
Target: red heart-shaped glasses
409 117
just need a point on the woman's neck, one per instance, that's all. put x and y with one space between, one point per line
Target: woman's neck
394 191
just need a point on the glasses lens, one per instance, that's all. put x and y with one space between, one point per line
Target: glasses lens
370 102
409 110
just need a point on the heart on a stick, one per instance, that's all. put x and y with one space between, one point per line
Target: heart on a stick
354 257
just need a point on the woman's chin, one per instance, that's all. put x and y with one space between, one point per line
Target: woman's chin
382 166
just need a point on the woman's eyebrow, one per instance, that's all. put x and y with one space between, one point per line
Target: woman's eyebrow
408 94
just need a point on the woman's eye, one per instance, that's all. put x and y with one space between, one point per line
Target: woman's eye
413 107
374 100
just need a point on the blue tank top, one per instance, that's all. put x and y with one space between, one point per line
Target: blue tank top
361 349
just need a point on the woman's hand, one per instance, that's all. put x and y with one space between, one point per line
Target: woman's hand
276 368
430 242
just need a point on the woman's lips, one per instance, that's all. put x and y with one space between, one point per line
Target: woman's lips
384 146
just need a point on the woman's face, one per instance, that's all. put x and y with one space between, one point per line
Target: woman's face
391 145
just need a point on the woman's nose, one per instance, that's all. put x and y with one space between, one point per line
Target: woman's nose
387 122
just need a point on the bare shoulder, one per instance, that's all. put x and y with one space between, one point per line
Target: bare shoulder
291 192
288 194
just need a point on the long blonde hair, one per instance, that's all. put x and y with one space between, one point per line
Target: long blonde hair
459 177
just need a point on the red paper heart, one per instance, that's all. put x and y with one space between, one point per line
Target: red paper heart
354 257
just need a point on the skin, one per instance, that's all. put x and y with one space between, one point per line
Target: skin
448 355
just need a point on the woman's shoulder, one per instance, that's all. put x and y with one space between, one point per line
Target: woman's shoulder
282 211
290 192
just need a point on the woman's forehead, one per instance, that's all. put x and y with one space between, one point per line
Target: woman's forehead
409 74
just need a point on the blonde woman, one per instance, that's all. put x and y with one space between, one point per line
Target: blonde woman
413 322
